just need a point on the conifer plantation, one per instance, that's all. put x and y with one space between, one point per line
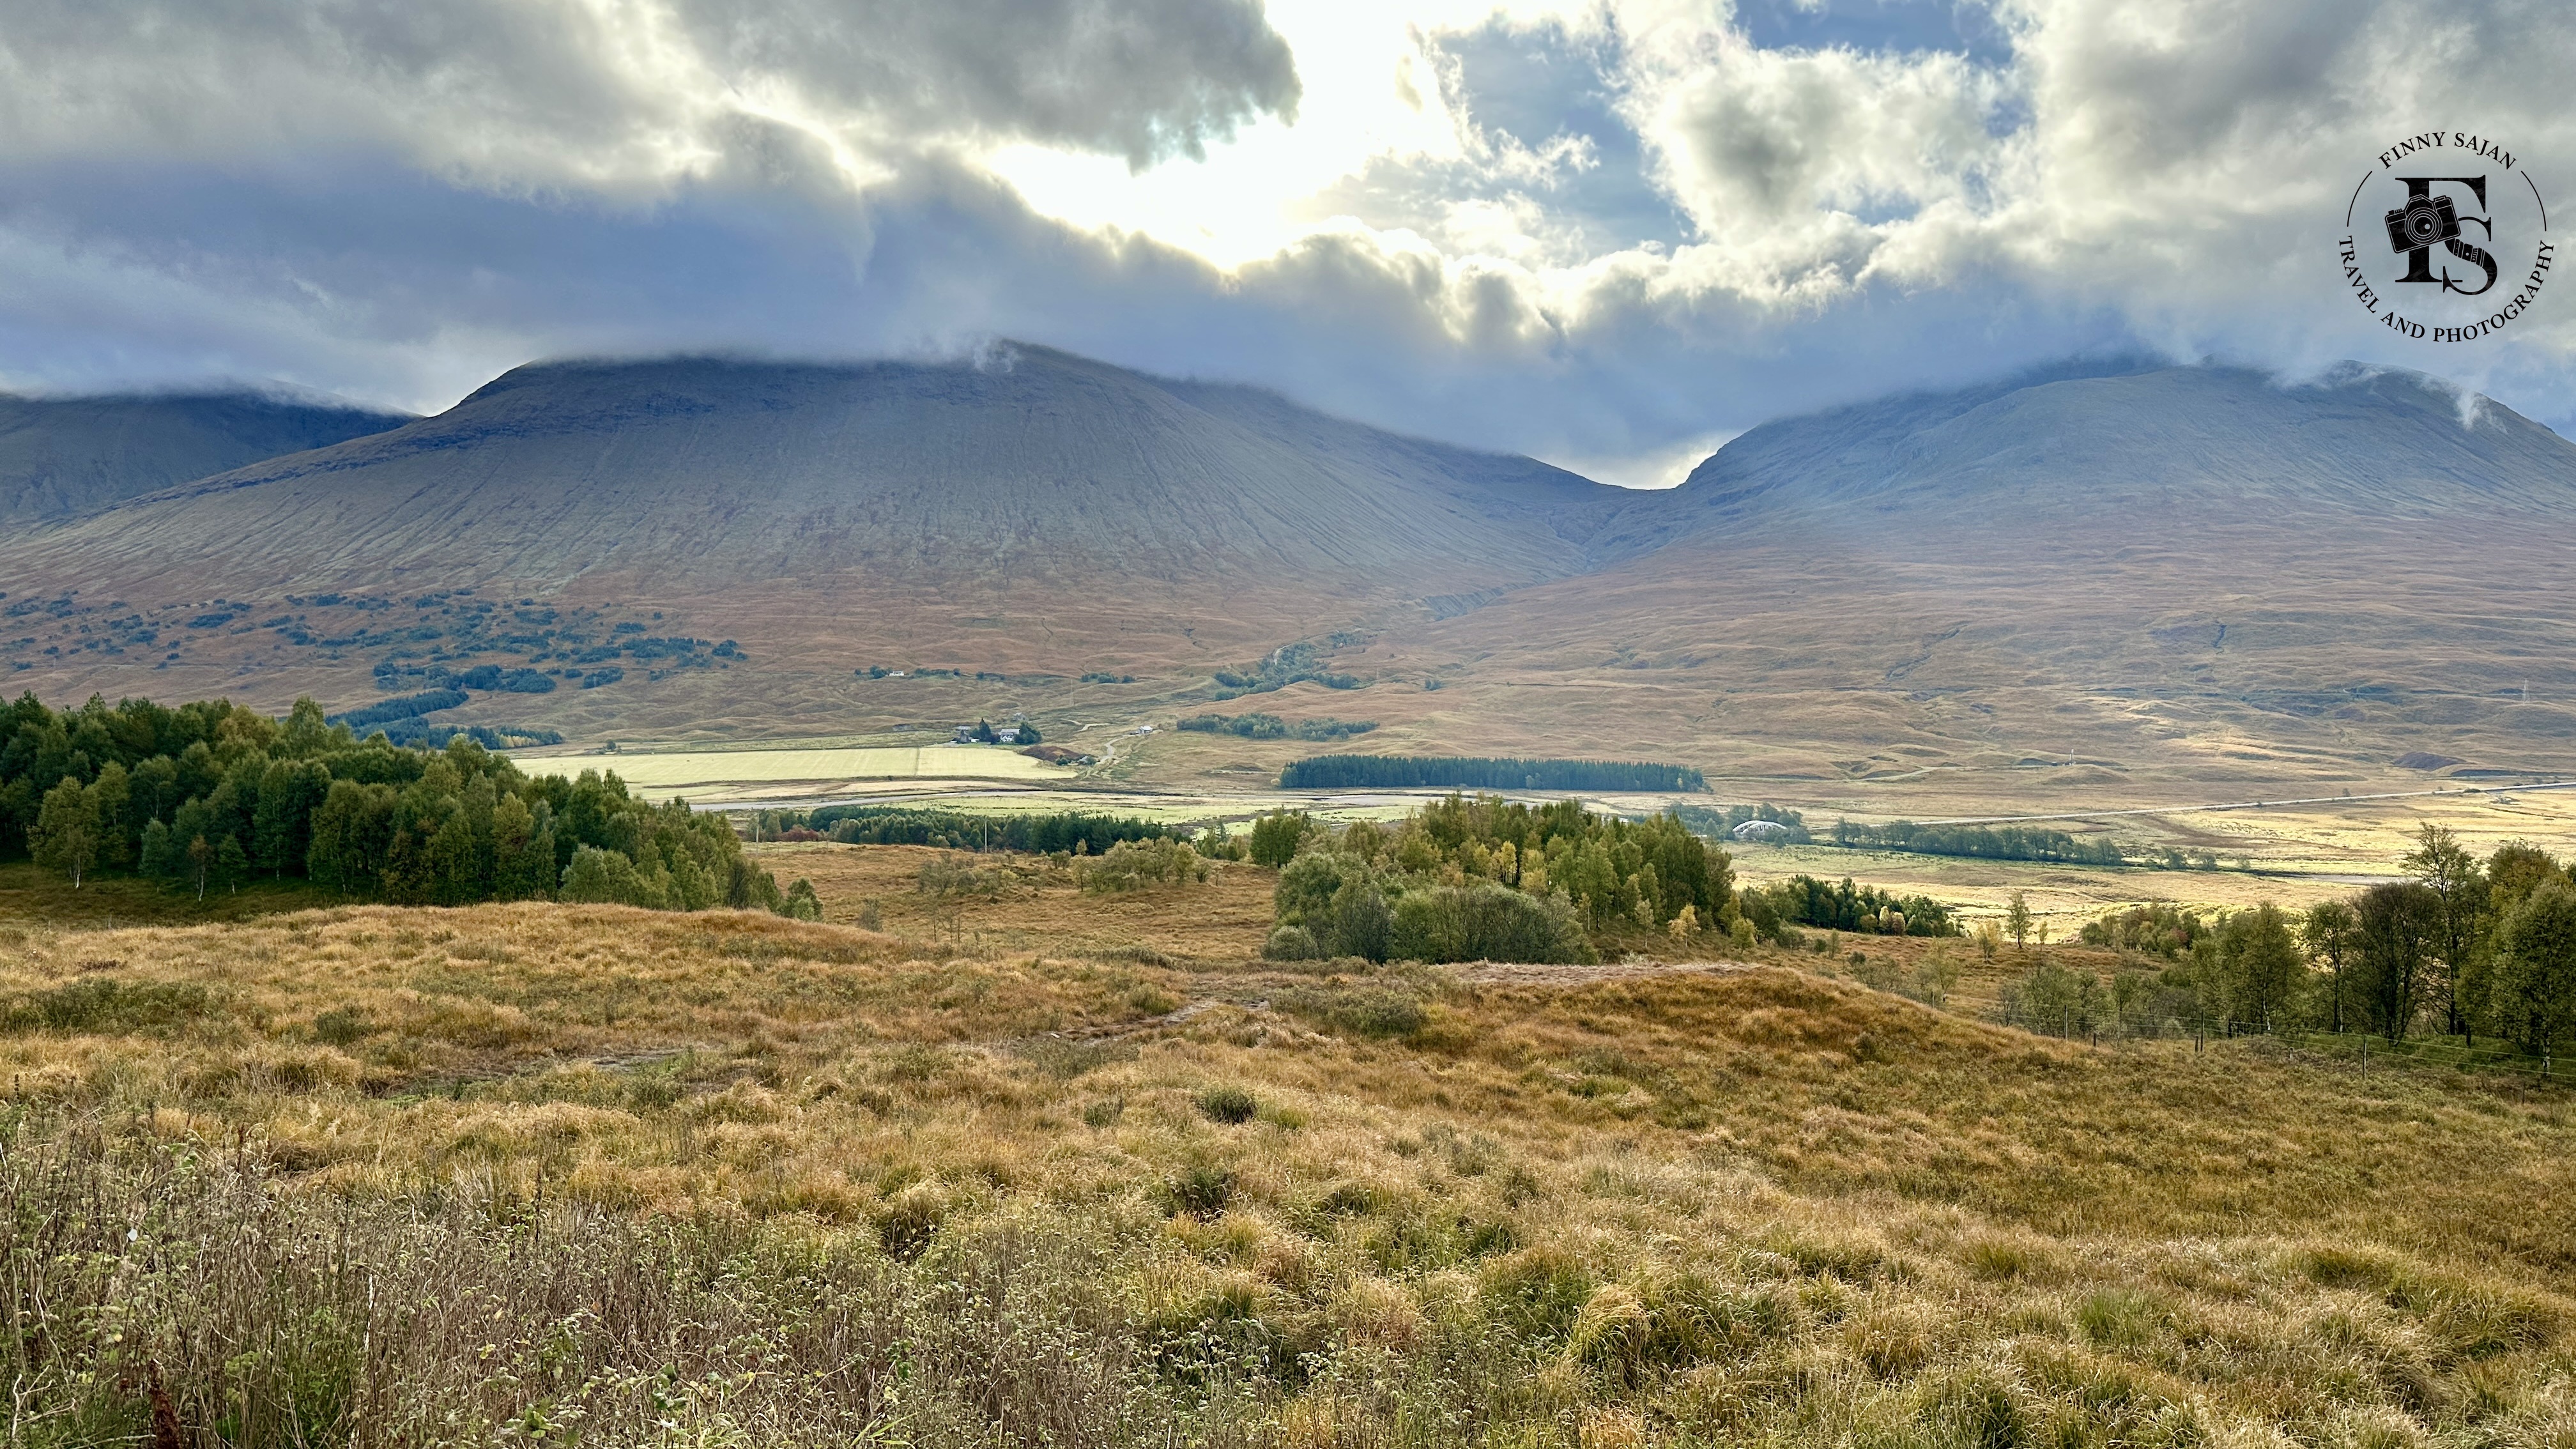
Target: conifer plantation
208 796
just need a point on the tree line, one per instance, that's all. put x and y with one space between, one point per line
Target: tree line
1803 900
2463 947
1395 772
2012 842
209 795
1073 832
1259 726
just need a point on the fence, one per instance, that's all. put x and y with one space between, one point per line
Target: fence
2365 1050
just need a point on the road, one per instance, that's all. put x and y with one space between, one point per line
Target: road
2252 804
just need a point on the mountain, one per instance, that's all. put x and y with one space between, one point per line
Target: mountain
1030 512
1041 470
64 456
2058 449
2124 581
2135 580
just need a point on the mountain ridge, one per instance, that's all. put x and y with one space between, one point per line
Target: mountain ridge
61 457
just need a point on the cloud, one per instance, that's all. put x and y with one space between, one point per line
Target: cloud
1591 229
630 96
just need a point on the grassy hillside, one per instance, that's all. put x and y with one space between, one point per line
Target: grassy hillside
367 1174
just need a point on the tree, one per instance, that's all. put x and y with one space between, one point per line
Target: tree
1275 837
2261 963
2017 921
801 903
1337 897
66 833
111 798
307 732
201 863
2395 929
2536 954
2443 867
608 877
232 863
159 858
2516 870
2327 933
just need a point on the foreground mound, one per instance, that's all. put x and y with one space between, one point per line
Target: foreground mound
436 1175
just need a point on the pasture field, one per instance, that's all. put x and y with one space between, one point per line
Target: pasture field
1024 1165
714 772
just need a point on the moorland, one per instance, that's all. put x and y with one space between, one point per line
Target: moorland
1032 1164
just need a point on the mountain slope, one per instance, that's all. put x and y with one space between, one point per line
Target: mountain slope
65 456
2170 441
709 474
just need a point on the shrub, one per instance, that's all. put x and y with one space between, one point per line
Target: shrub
1291 943
955 875
1337 898
1134 865
1486 923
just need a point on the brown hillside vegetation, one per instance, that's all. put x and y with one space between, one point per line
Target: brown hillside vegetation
375 1175
2057 591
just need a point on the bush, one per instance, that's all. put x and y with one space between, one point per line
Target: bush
955 875
801 903
1336 897
1291 943
1486 923
1133 865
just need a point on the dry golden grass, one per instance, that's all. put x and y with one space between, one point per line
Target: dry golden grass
1654 1204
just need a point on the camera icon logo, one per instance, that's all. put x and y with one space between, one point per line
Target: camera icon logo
2424 221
